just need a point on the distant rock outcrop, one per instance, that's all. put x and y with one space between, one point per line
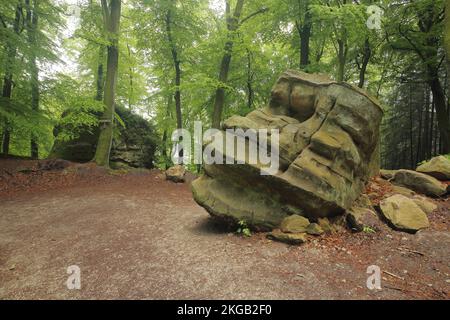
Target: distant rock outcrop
133 145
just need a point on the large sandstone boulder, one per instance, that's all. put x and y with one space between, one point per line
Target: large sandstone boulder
419 182
404 214
438 167
329 133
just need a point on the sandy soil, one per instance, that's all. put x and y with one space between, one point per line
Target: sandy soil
136 236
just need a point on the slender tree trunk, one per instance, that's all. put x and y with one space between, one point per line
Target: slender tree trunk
447 35
419 137
426 125
304 32
431 136
342 59
411 135
8 78
365 62
111 17
165 137
32 29
100 73
232 26
250 91
131 81
440 102
177 67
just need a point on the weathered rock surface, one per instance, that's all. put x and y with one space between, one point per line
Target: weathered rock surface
328 136
438 167
289 238
387 174
176 174
426 205
325 225
294 224
404 214
314 229
358 218
403 191
420 183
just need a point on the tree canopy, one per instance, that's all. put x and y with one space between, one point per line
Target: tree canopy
69 63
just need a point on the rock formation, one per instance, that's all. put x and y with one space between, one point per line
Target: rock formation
328 137
133 145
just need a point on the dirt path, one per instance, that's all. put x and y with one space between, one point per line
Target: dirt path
139 237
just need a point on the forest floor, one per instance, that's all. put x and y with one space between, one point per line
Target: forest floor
136 236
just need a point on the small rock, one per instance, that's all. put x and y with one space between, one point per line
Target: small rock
426 205
438 167
314 229
294 224
357 218
325 224
289 238
176 174
404 214
403 191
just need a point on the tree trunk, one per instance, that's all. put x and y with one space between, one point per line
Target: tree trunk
304 32
177 66
250 91
430 154
165 138
342 58
441 111
100 73
131 81
426 127
32 29
111 17
447 34
232 26
365 62
8 78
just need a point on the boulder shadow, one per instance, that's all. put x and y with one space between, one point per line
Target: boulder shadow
210 225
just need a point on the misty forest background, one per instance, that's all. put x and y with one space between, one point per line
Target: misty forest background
180 61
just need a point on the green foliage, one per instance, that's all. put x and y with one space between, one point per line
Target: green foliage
243 229
368 229
267 43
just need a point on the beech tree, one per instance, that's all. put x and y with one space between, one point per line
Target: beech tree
111 19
